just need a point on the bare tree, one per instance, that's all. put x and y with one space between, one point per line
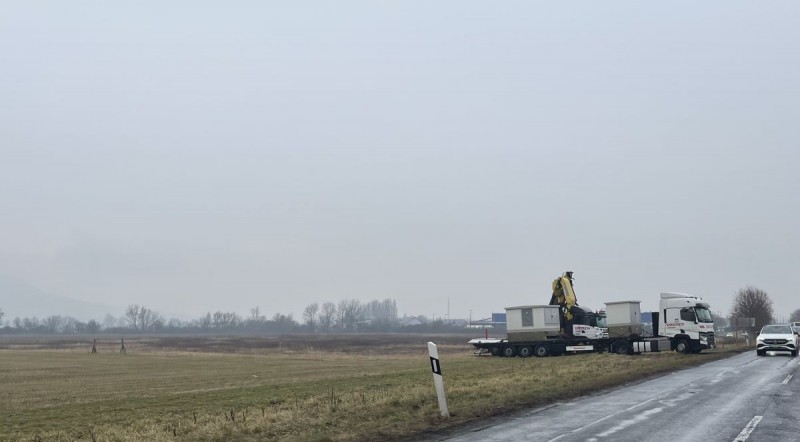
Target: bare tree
71 325
381 314
752 302
140 317
206 321
233 319
146 318
255 316
217 319
351 314
109 321
31 324
53 323
281 322
327 315
132 315
310 315
158 323
795 316
225 319
92 326
1 315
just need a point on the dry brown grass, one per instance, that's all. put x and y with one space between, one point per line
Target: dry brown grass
295 395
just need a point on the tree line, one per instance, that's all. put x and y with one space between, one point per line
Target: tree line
50 325
346 315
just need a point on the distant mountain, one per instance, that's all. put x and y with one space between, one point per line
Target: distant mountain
18 298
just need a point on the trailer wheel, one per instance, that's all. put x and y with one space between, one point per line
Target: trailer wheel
541 350
620 347
525 351
683 346
509 352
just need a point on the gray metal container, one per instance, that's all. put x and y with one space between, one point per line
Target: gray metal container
532 322
624 318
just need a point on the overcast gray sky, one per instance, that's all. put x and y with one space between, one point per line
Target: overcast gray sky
196 156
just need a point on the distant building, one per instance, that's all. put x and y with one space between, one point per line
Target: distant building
498 320
409 321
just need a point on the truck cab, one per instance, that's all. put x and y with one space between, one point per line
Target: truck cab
686 320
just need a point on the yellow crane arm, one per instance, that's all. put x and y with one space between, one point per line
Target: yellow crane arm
564 294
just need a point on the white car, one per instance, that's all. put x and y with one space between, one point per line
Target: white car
777 337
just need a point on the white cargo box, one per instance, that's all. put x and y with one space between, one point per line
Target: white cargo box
623 313
532 318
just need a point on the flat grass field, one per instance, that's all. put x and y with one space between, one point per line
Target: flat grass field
299 387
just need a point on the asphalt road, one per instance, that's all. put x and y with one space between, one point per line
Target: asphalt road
744 397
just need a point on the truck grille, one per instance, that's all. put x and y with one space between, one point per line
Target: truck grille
709 338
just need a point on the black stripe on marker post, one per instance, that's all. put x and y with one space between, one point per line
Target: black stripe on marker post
435 366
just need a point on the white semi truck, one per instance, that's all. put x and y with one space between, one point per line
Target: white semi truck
684 321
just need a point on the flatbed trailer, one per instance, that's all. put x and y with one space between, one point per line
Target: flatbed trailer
557 347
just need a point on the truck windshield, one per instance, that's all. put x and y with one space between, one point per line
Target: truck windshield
594 320
703 314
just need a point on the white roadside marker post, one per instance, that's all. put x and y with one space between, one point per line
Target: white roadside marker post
437 378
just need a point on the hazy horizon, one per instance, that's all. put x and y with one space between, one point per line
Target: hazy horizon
195 157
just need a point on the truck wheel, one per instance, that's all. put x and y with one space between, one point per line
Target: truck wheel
496 351
683 346
620 347
509 352
541 350
525 351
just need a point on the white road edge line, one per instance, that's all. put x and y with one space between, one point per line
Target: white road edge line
788 378
748 429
